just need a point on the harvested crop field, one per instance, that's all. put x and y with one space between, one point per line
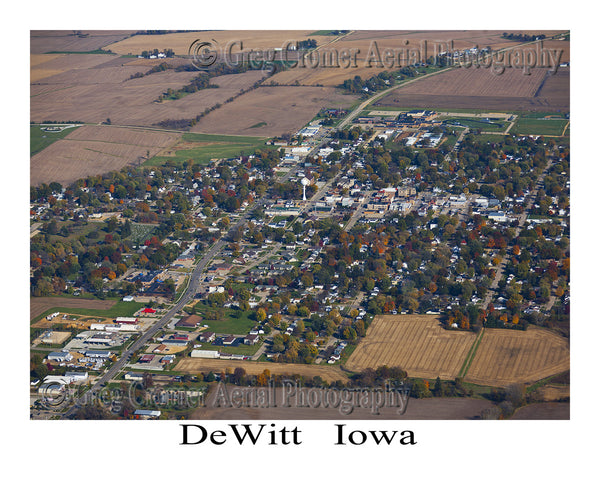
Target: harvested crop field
43 41
269 111
506 356
473 88
38 305
417 409
544 411
180 42
206 365
92 150
92 88
416 343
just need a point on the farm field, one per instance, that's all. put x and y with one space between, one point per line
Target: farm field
416 343
43 41
544 411
269 111
206 365
180 42
92 88
470 88
506 356
417 409
92 150
202 148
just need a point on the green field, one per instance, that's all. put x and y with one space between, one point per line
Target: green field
540 126
119 309
39 139
202 148
476 123
234 322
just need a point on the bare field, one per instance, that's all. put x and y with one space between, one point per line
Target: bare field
92 88
416 343
544 411
38 305
505 357
281 109
206 365
127 136
42 41
417 409
95 150
474 88
180 42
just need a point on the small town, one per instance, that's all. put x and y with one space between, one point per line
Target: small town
297 275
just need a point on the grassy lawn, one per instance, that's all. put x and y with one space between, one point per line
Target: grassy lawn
488 137
202 148
235 322
539 126
40 139
475 123
119 309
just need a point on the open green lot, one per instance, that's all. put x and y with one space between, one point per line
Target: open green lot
486 125
234 322
119 309
540 126
202 148
40 139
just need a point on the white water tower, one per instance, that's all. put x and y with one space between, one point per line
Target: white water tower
305 181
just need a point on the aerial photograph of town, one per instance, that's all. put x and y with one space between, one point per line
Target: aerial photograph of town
299 225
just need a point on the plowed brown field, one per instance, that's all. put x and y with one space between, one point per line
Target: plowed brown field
480 88
92 150
276 109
